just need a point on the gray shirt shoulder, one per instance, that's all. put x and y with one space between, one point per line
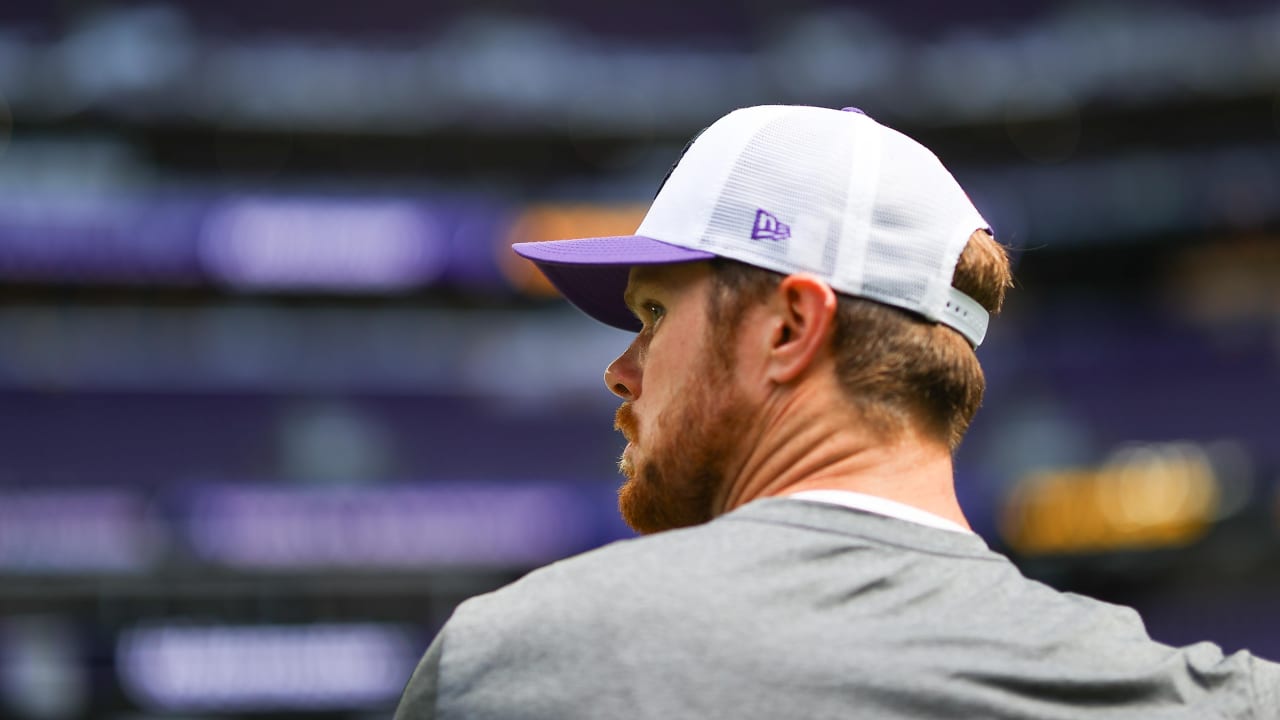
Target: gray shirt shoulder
787 608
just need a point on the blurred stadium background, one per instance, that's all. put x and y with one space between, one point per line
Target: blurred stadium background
275 397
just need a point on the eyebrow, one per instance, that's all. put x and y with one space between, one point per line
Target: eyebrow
629 298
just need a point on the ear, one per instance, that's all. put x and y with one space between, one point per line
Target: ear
804 314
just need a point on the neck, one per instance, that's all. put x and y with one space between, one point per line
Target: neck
810 440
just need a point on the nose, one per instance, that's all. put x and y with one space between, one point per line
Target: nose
622 377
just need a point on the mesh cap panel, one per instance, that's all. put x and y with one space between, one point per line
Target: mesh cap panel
800 189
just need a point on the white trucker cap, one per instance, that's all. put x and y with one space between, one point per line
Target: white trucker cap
793 189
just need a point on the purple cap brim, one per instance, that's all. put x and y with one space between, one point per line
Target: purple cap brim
592 273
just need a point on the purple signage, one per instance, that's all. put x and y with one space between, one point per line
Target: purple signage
268 242
421 526
348 245
72 238
265 667
74 530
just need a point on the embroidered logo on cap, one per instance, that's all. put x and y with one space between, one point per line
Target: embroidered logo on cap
769 227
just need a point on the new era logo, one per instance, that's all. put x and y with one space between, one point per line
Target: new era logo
769 227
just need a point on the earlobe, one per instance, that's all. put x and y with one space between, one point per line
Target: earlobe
806 309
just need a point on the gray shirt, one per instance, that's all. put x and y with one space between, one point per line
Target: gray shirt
792 609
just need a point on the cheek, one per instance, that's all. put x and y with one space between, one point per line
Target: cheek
670 358
673 357
666 380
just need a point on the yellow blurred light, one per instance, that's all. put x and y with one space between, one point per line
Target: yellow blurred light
1144 497
554 221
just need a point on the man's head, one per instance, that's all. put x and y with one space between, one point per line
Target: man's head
786 238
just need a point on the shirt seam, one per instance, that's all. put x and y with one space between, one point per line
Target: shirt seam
876 541
892 509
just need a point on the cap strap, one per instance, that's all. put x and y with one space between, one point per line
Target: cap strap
965 315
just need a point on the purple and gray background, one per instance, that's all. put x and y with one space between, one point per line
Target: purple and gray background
275 396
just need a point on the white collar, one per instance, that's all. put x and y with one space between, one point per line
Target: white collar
880 506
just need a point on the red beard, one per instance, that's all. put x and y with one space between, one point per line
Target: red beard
675 475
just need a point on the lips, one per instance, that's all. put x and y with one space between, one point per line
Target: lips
625 464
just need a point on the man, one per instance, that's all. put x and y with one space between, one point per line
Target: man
808 289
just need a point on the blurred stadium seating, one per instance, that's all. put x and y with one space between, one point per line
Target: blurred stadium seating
275 397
